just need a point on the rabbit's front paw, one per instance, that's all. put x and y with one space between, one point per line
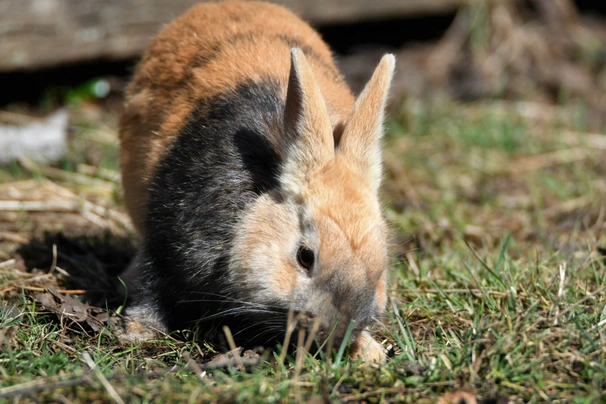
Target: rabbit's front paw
367 349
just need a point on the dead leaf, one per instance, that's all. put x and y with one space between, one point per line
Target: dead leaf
72 310
46 300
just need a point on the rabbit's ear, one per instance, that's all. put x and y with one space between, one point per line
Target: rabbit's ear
361 140
307 125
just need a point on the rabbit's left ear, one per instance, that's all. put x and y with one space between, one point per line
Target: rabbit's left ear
307 125
361 140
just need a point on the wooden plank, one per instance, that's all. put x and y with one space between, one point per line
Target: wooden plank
44 33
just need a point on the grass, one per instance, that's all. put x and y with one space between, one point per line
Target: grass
497 285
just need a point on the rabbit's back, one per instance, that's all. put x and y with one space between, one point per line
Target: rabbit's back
211 55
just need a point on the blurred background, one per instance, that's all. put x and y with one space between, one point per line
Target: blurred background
546 50
497 119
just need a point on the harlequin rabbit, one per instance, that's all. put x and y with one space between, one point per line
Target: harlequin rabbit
251 174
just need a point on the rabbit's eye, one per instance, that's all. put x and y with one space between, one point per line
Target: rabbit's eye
305 256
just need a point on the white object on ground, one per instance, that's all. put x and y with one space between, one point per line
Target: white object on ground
43 140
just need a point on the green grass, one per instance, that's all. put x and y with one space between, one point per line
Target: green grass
482 237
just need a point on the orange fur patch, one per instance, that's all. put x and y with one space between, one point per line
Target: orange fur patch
207 51
342 195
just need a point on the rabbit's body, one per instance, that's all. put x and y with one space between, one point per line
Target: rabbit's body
208 53
230 175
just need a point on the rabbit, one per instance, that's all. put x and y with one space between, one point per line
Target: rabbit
251 174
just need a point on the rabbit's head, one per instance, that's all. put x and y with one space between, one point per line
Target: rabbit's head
318 245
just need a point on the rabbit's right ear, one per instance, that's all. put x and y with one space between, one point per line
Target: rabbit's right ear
361 139
307 125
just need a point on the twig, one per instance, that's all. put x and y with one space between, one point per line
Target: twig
39 206
107 137
289 329
94 218
547 160
11 187
54 263
595 140
315 327
7 263
299 363
562 272
108 387
14 118
65 347
13 237
411 262
119 217
62 291
200 374
103 173
568 206
66 175
340 381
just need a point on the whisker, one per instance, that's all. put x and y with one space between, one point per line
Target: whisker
276 333
236 311
225 298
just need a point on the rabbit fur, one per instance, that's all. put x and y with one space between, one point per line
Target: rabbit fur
251 173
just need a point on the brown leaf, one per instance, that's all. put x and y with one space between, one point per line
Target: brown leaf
103 317
65 306
75 309
94 323
47 300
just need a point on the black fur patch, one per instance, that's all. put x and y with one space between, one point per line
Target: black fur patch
223 159
202 59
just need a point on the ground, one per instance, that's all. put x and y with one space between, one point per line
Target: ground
497 288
